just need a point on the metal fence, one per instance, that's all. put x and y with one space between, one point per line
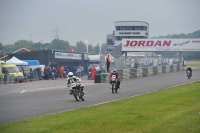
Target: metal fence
144 61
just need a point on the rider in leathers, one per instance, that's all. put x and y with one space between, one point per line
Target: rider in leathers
117 77
71 77
189 69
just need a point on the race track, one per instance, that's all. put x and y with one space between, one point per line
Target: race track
26 100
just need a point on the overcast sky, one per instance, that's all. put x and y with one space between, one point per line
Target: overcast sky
92 20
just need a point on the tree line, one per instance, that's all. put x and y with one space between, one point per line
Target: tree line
190 55
57 44
80 46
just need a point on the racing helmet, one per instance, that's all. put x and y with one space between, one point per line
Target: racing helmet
115 71
70 74
188 66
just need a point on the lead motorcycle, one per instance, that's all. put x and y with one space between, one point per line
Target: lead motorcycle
188 74
77 90
114 84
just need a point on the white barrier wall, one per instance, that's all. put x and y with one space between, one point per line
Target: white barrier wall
150 71
167 68
139 72
175 67
159 69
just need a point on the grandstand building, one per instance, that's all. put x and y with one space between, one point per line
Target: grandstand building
129 30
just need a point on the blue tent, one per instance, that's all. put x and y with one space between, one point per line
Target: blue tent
32 62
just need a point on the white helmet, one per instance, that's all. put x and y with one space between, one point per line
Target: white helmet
70 74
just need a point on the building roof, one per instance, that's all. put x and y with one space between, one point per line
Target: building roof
26 49
130 21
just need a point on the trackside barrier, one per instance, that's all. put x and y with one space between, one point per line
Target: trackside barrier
126 74
155 70
175 67
139 72
178 67
34 76
150 71
144 72
121 74
164 69
171 68
167 69
159 69
1 79
133 73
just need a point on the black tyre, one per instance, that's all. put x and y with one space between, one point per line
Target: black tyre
82 96
76 96
113 88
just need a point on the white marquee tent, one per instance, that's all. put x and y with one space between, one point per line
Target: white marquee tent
17 62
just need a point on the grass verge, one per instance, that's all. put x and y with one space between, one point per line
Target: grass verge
195 63
173 110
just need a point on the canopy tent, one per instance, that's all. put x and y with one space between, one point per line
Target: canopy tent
17 62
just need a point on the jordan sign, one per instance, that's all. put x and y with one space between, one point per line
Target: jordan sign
133 45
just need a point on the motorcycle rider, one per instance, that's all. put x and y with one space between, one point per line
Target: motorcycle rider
72 78
189 69
117 77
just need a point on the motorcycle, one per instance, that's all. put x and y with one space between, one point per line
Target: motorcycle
53 77
77 91
114 83
89 76
188 74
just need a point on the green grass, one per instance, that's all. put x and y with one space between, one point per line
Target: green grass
195 63
173 110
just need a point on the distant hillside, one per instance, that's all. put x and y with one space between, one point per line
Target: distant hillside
195 34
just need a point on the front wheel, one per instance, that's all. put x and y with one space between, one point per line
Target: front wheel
82 95
76 96
113 87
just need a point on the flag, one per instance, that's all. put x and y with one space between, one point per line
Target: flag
86 43
72 48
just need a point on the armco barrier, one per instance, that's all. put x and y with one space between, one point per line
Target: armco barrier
167 69
150 71
144 72
159 69
178 67
163 69
155 70
175 67
121 74
171 68
139 72
131 73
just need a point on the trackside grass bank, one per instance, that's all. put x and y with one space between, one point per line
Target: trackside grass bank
195 63
173 110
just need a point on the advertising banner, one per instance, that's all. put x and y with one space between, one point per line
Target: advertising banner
68 56
132 45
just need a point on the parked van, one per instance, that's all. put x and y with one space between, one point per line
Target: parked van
12 70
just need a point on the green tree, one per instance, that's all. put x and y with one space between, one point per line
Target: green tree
90 49
23 43
96 49
80 47
104 48
1 46
59 45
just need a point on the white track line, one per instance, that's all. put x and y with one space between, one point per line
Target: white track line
23 91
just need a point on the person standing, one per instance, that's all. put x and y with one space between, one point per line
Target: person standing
108 63
93 72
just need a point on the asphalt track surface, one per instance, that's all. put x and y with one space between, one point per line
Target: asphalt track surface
27 100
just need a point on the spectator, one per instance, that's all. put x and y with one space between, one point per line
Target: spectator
108 63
